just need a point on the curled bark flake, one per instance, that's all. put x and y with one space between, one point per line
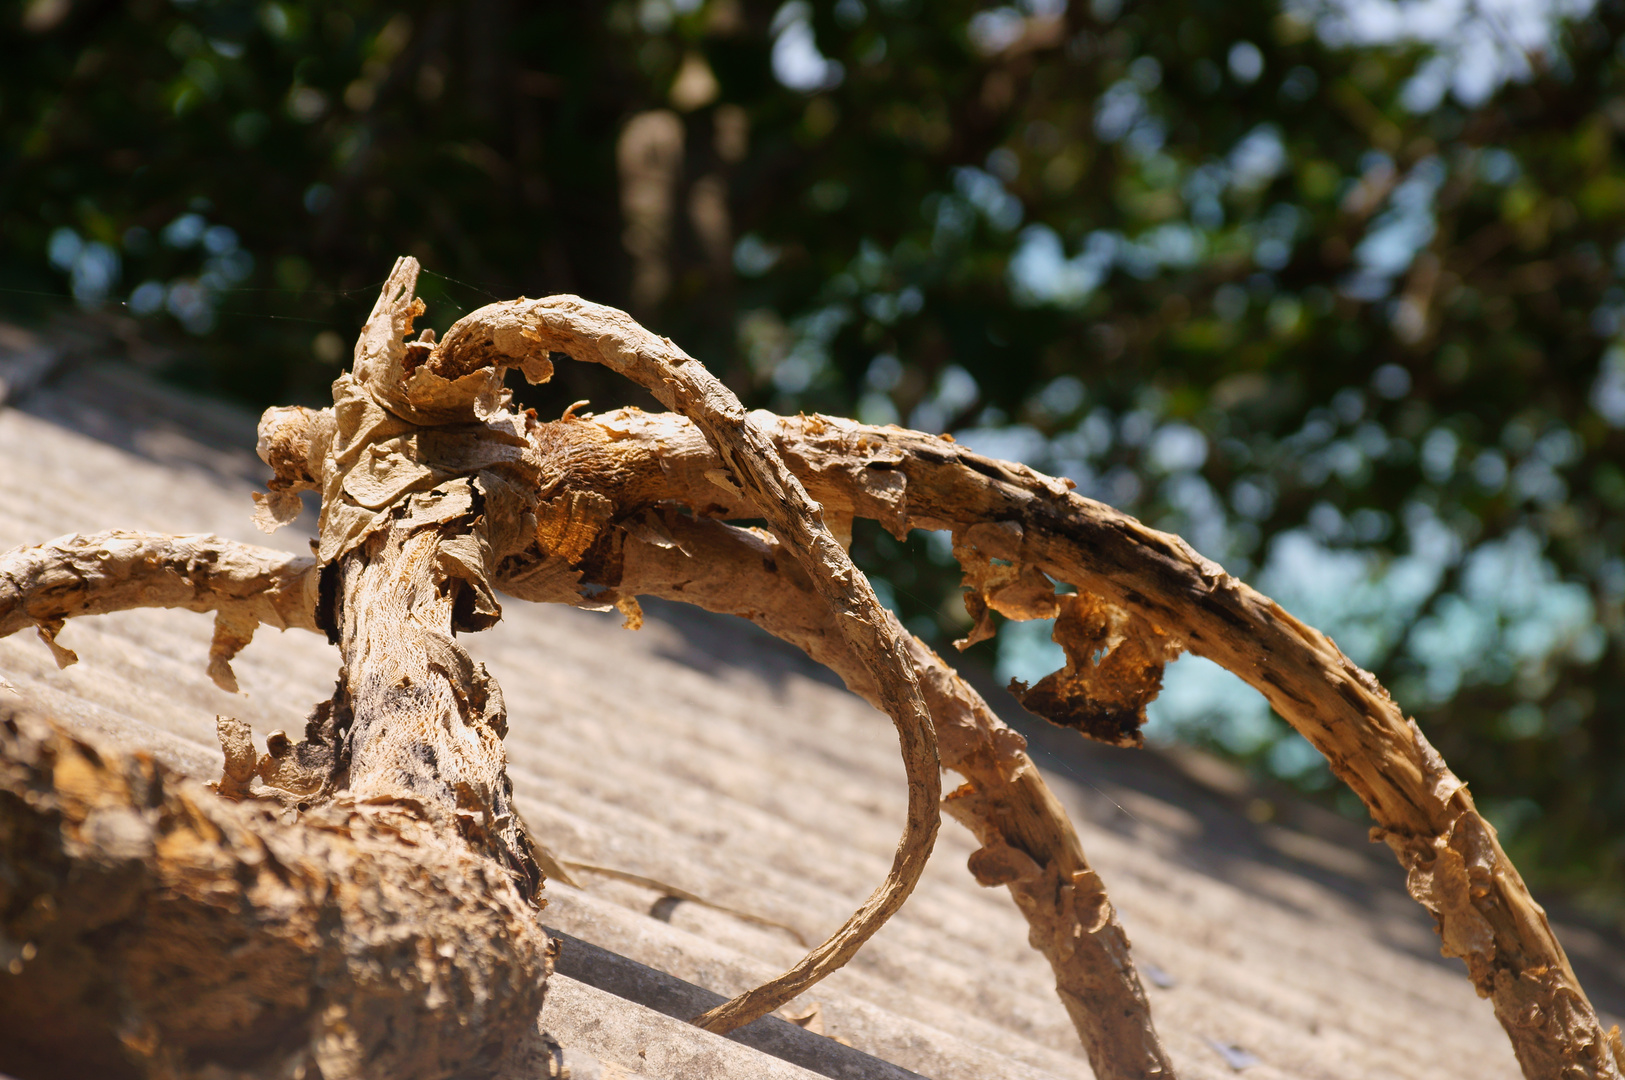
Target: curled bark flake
630 611
237 743
996 579
233 630
1445 876
375 459
295 773
1114 661
1000 864
571 523
274 509
48 629
1113 671
293 441
1090 907
316 765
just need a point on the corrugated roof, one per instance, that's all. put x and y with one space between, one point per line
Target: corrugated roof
701 754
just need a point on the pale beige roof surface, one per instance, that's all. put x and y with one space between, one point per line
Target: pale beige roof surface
698 753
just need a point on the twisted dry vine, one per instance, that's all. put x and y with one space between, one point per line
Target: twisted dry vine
526 333
420 463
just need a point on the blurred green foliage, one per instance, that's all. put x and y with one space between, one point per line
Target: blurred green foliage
1337 298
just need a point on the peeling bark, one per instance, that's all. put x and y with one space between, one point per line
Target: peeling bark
244 586
1173 598
524 333
1113 670
149 927
371 909
434 493
1028 844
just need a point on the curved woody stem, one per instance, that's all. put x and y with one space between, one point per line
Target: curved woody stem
522 333
1154 596
579 499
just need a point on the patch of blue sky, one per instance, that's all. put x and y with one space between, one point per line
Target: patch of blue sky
987 194
1171 245
1016 442
1176 447
93 268
1608 389
1257 158
1404 226
797 62
1040 272
1117 111
1201 699
807 359
954 391
1479 45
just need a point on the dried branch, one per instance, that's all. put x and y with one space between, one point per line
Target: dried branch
433 493
244 586
1151 594
1027 842
1454 864
394 927
423 484
523 333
